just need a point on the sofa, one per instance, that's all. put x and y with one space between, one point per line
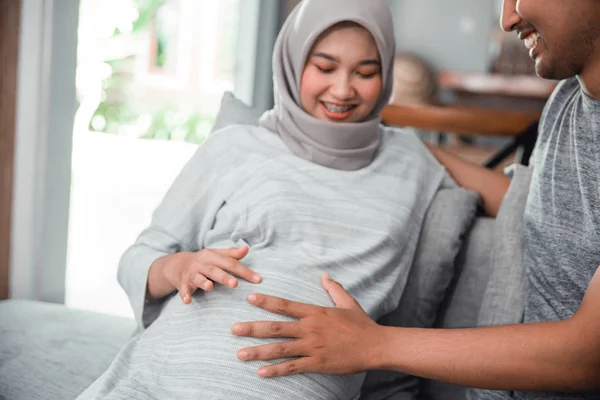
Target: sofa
468 272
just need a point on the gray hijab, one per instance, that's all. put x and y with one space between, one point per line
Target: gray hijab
339 145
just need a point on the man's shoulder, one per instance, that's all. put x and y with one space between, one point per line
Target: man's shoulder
563 92
556 104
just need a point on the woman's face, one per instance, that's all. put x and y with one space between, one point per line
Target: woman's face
342 78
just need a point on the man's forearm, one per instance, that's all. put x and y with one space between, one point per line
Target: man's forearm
551 356
491 185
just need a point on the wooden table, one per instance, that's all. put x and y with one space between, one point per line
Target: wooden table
468 120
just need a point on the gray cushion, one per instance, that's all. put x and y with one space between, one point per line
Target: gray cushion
504 297
50 352
490 289
460 308
446 224
233 112
505 293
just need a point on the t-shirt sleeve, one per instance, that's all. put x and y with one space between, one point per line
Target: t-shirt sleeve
550 112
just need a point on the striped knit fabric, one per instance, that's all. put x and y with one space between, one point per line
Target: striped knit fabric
243 186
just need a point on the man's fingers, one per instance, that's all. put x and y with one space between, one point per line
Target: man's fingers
292 367
273 351
281 306
340 297
267 329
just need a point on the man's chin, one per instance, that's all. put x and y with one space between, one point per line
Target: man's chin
543 70
548 70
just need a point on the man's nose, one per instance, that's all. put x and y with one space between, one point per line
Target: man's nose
510 18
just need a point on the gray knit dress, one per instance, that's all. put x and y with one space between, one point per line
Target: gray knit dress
244 186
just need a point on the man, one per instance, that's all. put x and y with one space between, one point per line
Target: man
558 348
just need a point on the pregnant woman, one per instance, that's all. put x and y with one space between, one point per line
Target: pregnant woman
320 186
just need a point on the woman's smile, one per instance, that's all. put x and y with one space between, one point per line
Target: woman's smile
337 111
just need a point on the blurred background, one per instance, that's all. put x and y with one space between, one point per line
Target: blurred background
114 96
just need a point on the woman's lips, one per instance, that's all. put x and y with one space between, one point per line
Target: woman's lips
337 111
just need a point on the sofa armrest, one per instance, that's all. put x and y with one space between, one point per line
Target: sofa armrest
51 352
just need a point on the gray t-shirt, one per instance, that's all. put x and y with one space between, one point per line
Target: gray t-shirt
562 217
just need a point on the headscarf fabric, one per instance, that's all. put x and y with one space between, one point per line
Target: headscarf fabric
339 145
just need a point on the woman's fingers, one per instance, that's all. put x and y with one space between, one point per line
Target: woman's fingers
215 265
224 260
185 292
234 252
201 282
216 274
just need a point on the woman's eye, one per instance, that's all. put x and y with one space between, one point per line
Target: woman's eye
324 70
367 75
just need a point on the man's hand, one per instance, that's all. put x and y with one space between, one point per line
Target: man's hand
341 340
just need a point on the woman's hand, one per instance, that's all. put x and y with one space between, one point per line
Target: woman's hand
189 271
341 340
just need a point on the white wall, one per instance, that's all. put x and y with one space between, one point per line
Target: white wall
46 105
452 35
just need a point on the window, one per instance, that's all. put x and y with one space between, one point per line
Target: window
150 77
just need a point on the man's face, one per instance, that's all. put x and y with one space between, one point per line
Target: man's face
563 36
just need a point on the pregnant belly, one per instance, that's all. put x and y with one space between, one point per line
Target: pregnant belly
196 354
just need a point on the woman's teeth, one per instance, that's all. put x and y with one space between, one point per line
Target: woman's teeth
532 40
337 109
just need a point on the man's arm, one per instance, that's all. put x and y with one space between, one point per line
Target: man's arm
491 185
553 356
559 356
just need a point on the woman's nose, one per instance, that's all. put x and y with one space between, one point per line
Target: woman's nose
342 88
